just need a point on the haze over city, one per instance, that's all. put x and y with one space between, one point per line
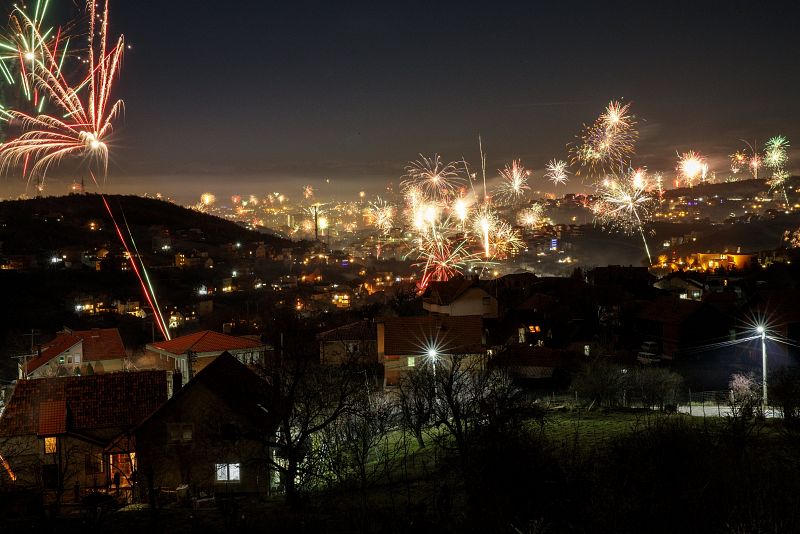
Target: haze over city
260 97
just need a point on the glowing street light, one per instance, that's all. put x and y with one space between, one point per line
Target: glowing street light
433 356
762 331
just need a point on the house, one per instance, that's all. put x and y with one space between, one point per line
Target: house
351 343
55 433
404 342
459 296
210 437
71 352
633 280
680 326
189 354
682 285
537 366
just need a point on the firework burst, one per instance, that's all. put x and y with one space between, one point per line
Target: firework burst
609 142
739 160
25 47
87 110
442 253
432 179
625 205
514 184
556 172
776 152
691 167
532 216
777 182
381 215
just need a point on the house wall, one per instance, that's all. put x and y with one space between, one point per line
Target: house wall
73 357
166 462
397 366
153 359
74 461
344 351
474 301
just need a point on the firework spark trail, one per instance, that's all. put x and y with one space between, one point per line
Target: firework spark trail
85 126
157 307
156 315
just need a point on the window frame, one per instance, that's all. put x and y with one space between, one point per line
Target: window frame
228 472
176 432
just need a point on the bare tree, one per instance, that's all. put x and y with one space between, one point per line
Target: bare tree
415 400
306 399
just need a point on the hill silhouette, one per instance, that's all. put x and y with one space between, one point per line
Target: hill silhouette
48 223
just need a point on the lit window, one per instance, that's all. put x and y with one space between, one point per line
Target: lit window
412 361
50 445
228 472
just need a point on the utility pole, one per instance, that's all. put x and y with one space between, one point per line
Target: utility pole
761 330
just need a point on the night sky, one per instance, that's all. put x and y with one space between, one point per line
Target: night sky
252 97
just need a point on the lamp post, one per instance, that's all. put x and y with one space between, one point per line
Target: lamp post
433 355
763 332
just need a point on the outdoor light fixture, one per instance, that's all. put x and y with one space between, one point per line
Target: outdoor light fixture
762 331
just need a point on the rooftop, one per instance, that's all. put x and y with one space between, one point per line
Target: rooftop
205 341
83 404
413 335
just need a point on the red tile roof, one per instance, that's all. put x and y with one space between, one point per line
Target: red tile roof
98 344
60 344
444 293
357 331
52 418
101 344
102 404
449 335
205 341
234 384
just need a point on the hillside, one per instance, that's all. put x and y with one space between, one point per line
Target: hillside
30 226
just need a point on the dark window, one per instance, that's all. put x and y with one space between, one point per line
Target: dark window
180 432
50 476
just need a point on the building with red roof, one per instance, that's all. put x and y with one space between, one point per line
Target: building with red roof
457 297
56 432
189 354
72 352
406 342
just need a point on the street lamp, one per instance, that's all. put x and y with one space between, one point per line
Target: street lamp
763 333
433 356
